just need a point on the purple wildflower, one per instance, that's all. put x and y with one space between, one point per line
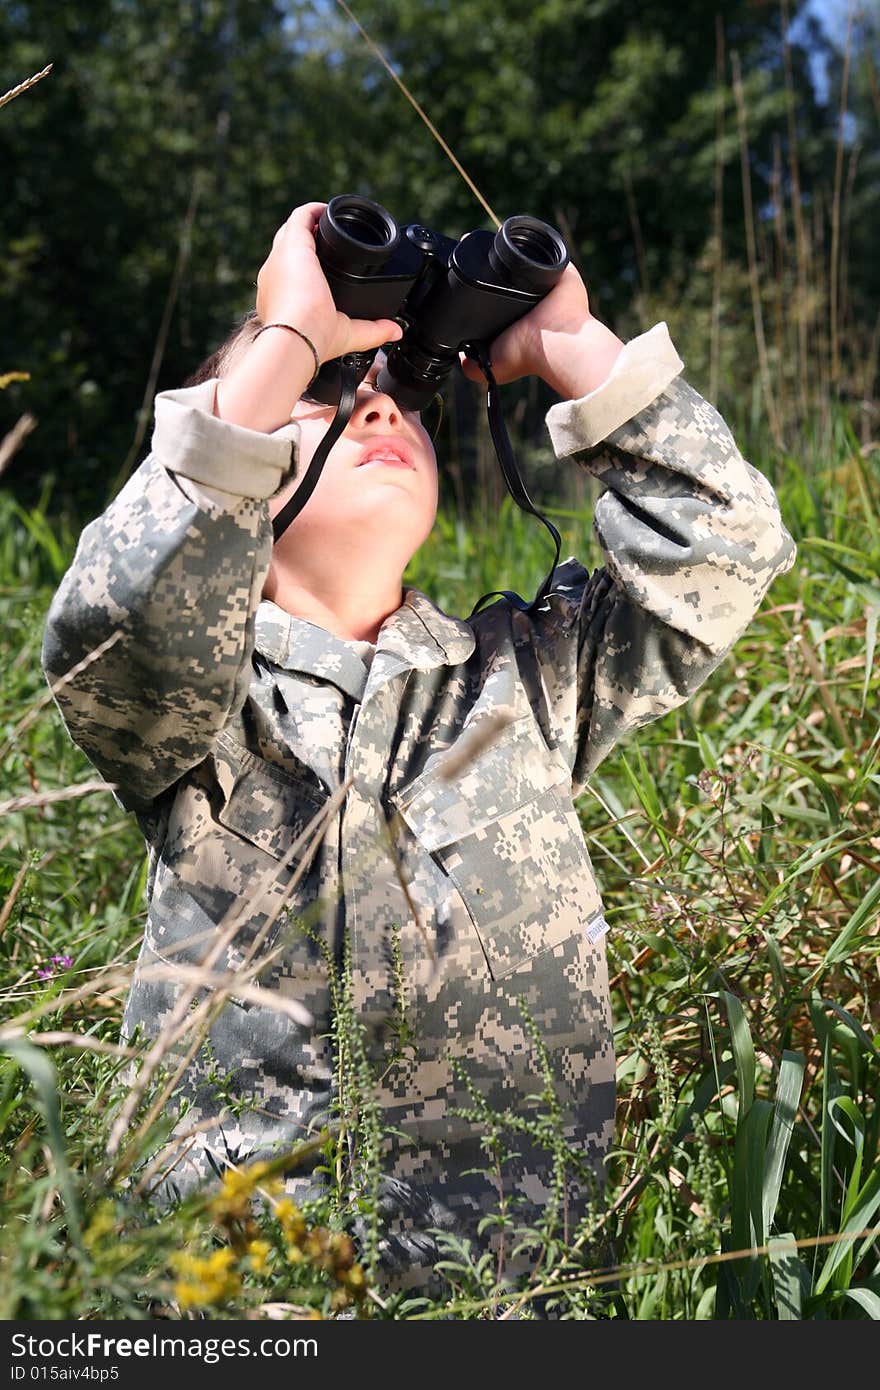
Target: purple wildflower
46 973
65 960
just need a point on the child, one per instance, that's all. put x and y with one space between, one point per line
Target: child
242 689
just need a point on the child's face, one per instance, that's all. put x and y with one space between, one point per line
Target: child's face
379 480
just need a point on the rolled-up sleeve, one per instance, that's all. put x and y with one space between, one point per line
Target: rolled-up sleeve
691 536
148 640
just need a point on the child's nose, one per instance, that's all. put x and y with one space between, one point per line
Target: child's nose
376 407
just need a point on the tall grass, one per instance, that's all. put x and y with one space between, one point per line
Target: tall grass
737 841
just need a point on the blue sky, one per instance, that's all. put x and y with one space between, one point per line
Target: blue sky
833 16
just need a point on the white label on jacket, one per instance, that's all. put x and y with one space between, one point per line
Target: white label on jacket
597 930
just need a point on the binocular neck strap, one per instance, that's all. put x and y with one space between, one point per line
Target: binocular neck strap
348 378
513 478
348 384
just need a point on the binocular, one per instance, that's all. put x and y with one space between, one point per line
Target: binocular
445 294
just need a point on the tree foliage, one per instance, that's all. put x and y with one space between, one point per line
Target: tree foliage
601 116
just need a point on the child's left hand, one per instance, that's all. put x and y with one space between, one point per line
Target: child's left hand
558 340
518 350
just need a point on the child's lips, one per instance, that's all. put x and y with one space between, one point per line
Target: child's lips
390 451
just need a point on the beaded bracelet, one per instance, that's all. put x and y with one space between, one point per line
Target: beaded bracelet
290 328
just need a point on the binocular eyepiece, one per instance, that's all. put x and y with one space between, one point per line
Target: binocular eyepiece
446 294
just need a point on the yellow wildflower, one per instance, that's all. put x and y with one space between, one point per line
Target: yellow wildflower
101 1224
353 1278
291 1220
258 1252
233 1200
342 1248
209 1280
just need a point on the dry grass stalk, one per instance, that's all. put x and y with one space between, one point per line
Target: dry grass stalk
46 698
481 737
181 1013
802 249
852 167
814 666
225 983
389 828
613 1275
61 1038
13 893
106 982
184 246
751 252
717 214
835 204
171 1150
24 86
820 288
12 442
781 260
38 799
396 79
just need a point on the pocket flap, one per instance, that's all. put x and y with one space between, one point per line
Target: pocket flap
452 799
261 802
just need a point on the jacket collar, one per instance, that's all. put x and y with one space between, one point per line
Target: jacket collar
418 635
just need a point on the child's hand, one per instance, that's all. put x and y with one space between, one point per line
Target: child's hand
292 288
558 340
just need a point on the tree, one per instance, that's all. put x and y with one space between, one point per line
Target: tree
598 115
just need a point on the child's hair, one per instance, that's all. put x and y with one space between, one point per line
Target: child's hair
218 363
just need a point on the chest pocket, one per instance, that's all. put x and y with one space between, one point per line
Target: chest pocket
506 833
262 803
239 833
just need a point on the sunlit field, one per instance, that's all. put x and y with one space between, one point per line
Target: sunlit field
737 842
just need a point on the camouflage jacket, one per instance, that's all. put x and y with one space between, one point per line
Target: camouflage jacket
445 882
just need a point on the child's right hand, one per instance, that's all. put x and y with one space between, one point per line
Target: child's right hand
292 288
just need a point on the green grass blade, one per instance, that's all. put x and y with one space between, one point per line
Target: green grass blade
643 785
844 1106
743 1053
862 915
867 1300
824 788
44 1079
746 1212
830 1088
855 1027
856 1139
861 1215
818 853
872 612
788 1094
788 1273
734 732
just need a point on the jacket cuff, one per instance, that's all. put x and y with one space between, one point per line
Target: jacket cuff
190 440
642 370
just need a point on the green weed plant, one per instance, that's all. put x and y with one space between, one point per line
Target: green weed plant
738 845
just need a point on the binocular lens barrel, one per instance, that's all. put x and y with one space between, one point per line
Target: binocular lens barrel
446 293
356 235
530 251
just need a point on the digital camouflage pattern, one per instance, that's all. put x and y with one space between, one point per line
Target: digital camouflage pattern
455 870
